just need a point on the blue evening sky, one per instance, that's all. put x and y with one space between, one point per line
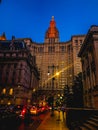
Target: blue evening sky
31 18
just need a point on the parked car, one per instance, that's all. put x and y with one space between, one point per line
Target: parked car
7 116
44 108
22 111
35 110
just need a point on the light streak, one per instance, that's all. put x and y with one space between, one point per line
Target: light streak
55 75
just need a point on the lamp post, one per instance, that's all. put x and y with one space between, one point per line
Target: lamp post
52 97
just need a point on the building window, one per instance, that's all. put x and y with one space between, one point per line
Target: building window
51 40
76 41
62 48
11 91
81 42
13 78
35 49
19 78
51 49
4 91
69 48
40 49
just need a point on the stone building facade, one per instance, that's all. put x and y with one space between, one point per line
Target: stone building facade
89 59
60 59
19 76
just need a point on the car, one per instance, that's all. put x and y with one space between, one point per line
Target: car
22 111
7 116
44 108
18 109
35 110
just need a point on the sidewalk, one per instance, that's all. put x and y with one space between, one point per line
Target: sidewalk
56 122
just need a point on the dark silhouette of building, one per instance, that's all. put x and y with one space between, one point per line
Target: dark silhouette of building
89 59
19 76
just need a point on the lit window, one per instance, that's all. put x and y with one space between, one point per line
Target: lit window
11 91
4 91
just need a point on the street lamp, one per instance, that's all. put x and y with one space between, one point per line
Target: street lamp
52 97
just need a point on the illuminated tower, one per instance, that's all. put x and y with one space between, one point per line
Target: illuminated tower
51 57
52 34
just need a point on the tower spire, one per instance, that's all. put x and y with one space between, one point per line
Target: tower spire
52 18
52 23
52 32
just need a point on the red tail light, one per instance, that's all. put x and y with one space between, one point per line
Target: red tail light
23 111
43 108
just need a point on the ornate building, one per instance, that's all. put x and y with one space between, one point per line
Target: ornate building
3 37
19 76
60 59
89 59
